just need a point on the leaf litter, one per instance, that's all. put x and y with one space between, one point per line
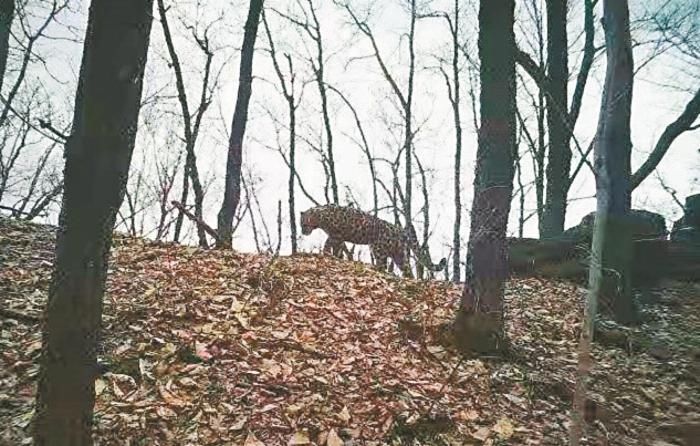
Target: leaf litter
223 348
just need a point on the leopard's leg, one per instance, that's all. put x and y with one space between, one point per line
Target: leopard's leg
343 251
404 266
380 257
334 247
330 246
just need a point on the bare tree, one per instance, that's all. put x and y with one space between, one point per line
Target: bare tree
289 93
191 121
311 26
453 92
136 203
559 162
613 255
404 97
609 268
40 191
232 189
31 39
479 324
677 25
561 119
98 154
425 209
7 14
28 161
27 148
683 123
166 173
363 143
521 192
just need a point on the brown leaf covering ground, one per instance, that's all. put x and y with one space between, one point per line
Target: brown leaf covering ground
219 348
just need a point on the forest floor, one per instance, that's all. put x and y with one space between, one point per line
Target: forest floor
222 348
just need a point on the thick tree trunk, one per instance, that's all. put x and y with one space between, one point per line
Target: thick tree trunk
479 323
7 14
98 155
232 190
612 256
554 214
610 266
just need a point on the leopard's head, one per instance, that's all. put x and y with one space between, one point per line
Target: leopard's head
308 222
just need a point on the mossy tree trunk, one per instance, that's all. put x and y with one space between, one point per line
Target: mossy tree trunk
98 154
479 323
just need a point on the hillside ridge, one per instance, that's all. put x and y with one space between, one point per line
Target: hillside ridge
219 347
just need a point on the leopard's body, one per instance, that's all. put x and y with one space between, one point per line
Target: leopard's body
346 224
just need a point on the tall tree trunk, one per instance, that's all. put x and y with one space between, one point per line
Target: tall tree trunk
408 123
322 90
98 155
191 162
183 199
455 101
289 96
613 255
479 323
292 172
557 121
7 14
609 278
232 190
190 130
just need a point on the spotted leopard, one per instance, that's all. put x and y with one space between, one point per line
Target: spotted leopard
346 224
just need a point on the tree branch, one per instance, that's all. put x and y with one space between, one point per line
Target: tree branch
201 223
682 124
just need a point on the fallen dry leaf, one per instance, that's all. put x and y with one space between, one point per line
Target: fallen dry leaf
504 428
299 438
344 414
309 341
333 439
251 440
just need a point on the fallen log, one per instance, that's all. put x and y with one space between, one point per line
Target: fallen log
654 259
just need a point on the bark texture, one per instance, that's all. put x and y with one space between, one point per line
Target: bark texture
232 190
610 265
98 155
7 13
611 260
559 163
479 323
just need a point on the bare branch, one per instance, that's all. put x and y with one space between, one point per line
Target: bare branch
682 124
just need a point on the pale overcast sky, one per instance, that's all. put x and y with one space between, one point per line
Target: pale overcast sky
660 92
